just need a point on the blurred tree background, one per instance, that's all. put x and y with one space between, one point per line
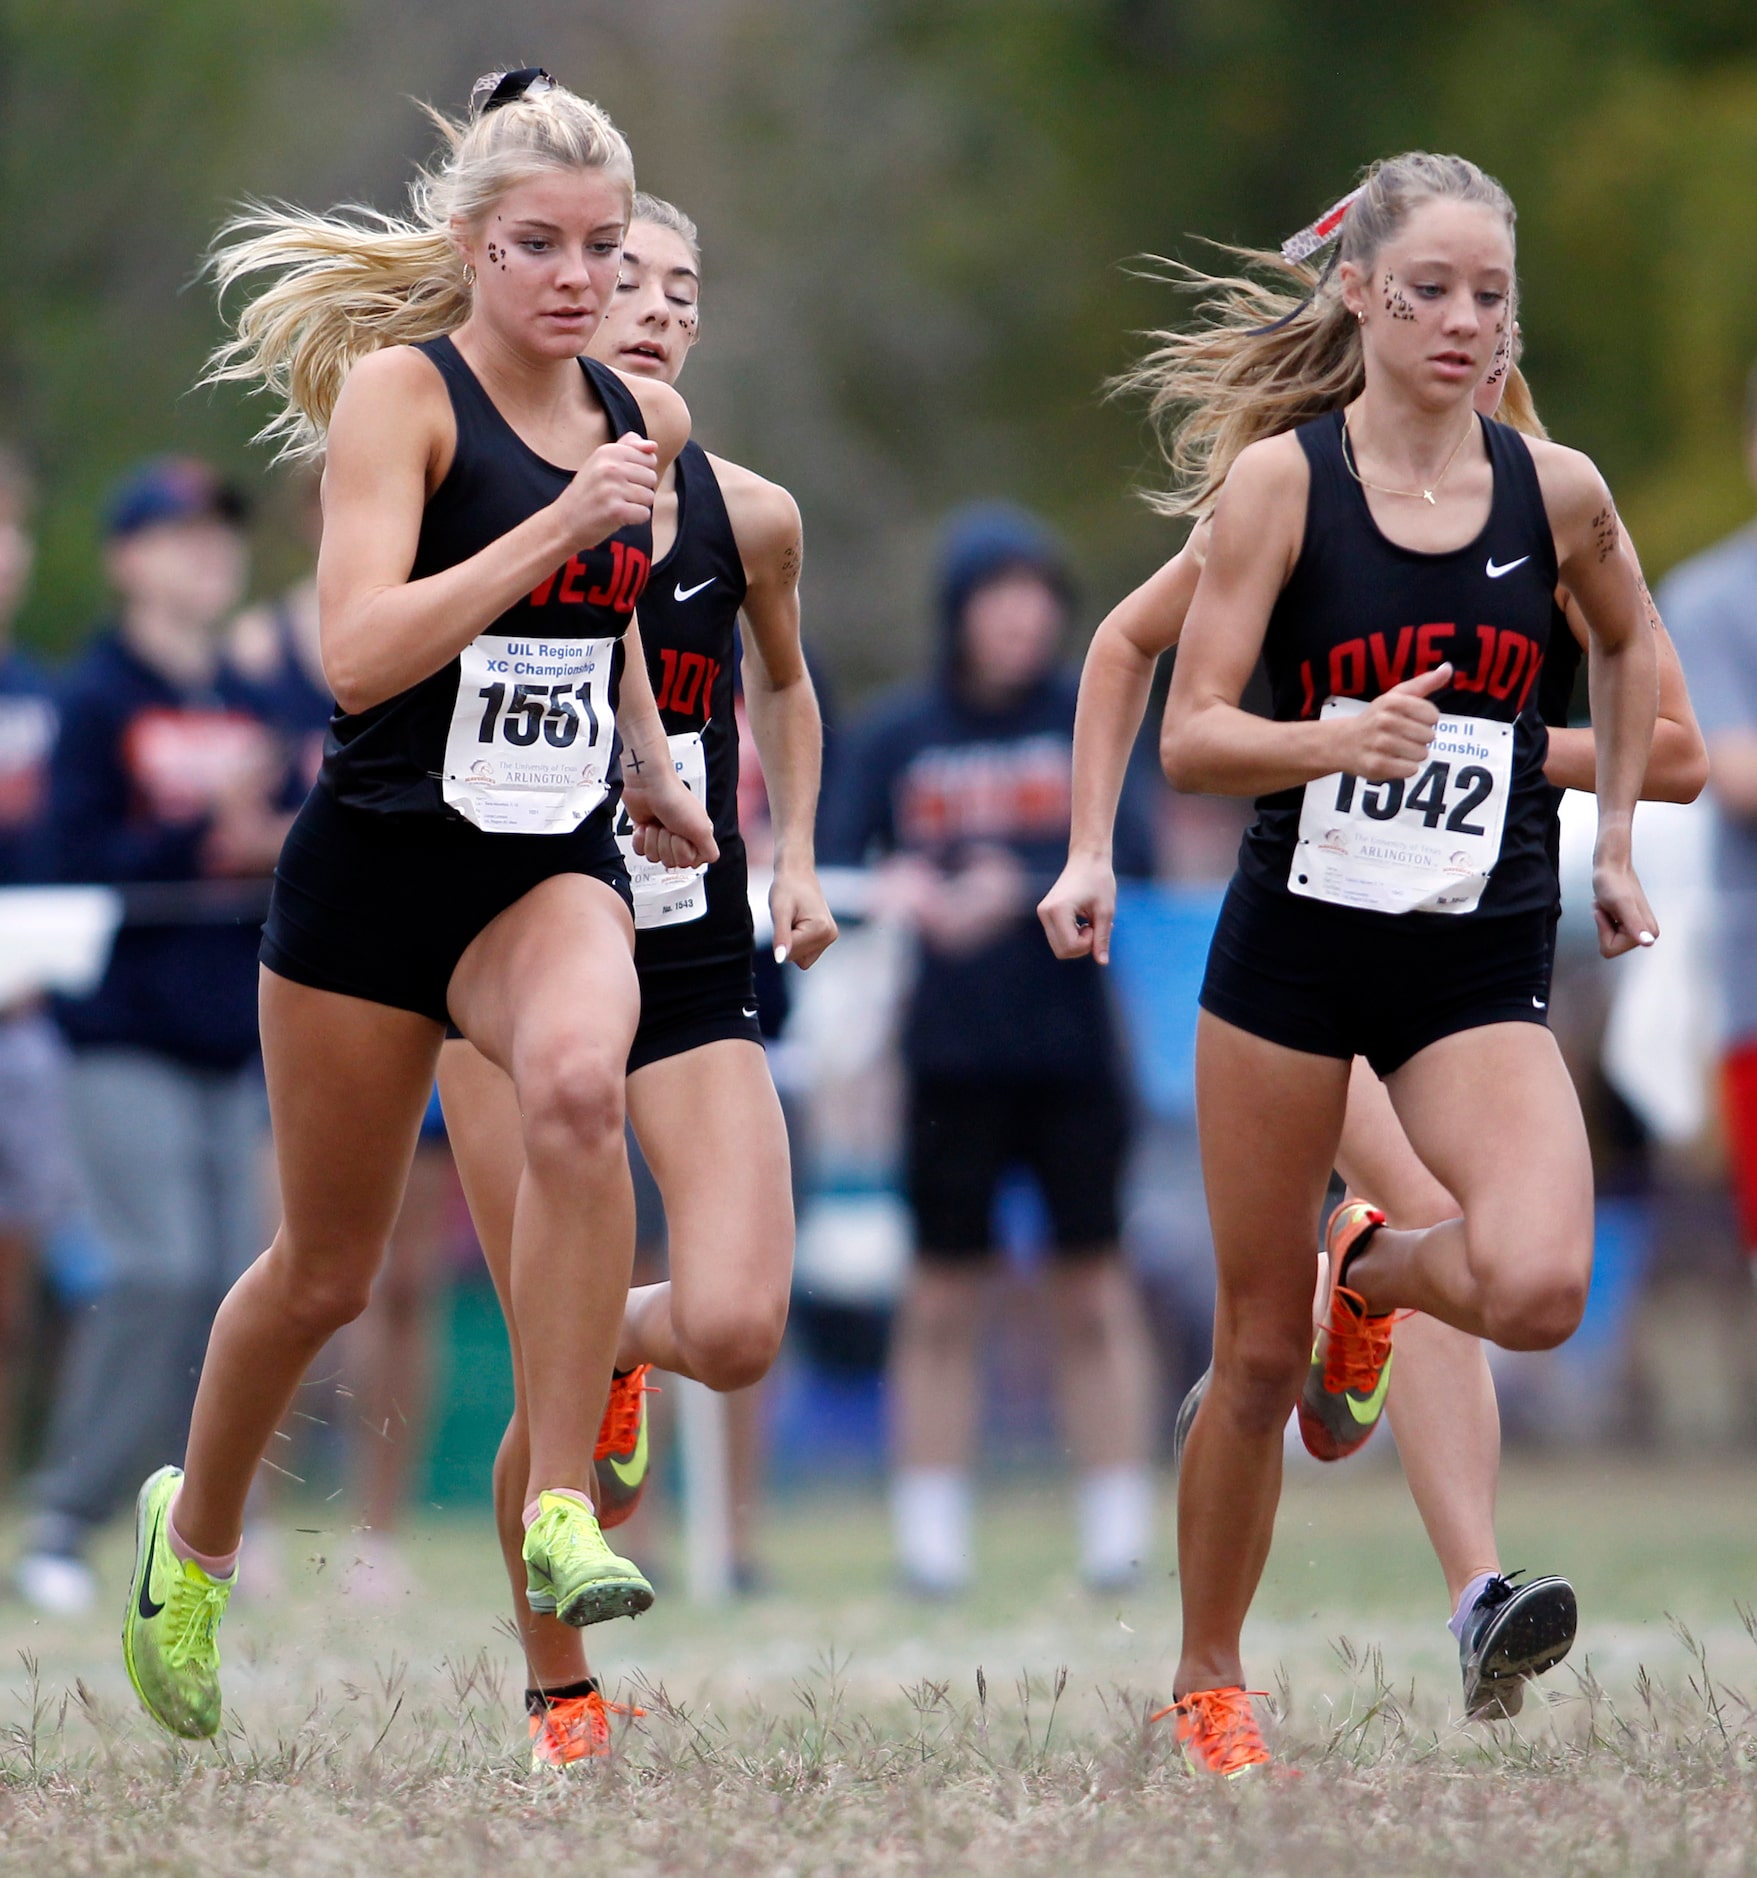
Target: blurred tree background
918 221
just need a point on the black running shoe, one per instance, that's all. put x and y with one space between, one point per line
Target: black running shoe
1513 1632
1186 1417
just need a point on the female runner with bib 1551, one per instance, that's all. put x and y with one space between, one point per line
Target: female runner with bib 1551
699 1092
487 528
1441 1395
1393 559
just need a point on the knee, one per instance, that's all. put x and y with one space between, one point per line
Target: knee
1258 1376
736 1348
572 1104
1535 1310
318 1301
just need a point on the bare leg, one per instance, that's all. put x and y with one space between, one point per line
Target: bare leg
1270 1119
347 1082
487 1137
1106 1361
548 992
710 1125
1493 1113
1441 1403
934 1371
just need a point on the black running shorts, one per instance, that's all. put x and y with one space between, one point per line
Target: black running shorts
382 907
1070 1132
1333 981
686 1006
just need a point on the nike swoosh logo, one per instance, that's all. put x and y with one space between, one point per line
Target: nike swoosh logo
1540 1004
1366 1409
750 1013
1494 572
632 1470
689 593
147 1608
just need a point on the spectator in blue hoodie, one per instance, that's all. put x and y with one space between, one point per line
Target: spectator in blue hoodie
959 788
164 782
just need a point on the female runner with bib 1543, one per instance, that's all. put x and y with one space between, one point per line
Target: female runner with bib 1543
1441 1395
487 529
700 1097
1393 558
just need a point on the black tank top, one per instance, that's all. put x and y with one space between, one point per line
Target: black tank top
1360 614
388 758
689 631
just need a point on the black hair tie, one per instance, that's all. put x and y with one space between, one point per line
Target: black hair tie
514 86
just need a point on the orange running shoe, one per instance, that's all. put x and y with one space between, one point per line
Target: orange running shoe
1217 1730
621 1453
577 1728
1344 1393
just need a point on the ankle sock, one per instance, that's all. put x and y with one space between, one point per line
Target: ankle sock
1116 1522
215 1564
1467 1603
534 1506
539 1701
930 1520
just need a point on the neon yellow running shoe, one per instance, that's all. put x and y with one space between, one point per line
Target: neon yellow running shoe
571 1573
169 1639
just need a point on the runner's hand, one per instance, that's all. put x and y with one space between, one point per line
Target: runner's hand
1625 920
670 825
805 928
1079 910
1390 738
614 488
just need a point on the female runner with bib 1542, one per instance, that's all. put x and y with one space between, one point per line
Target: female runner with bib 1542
1441 1395
487 528
700 1097
1393 558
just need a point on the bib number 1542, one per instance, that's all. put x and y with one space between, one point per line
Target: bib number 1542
1425 844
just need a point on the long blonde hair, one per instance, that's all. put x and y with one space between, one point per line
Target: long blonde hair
1273 344
328 289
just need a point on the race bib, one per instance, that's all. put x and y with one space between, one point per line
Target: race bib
1423 845
531 734
668 896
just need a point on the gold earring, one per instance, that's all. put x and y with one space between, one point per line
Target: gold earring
469 273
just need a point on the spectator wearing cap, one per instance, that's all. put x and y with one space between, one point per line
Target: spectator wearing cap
960 789
166 783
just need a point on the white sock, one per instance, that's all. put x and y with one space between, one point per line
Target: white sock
1467 1603
1116 1522
930 1521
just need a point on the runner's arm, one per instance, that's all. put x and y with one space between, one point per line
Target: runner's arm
1623 675
1677 768
670 825
782 702
389 443
1209 743
1115 681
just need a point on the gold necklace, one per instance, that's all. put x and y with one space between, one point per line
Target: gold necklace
1427 495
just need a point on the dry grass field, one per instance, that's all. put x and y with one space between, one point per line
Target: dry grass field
830 1727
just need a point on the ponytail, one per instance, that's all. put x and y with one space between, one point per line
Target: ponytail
325 290
1274 345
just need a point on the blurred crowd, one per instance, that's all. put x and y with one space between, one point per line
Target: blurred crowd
1001 1208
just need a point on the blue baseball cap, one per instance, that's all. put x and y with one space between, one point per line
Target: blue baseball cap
172 489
